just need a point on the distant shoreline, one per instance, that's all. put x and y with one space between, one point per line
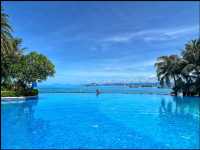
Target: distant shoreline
108 92
124 84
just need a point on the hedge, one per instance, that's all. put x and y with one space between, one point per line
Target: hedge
32 92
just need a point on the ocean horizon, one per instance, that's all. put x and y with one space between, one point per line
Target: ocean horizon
79 88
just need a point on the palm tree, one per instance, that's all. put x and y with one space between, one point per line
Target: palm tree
192 55
191 71
162 70
184 71
167 68
9 59
6 37
10 49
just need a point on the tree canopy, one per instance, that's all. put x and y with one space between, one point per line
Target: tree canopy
183 71
16 67
33 67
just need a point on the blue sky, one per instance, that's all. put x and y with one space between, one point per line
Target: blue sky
104 41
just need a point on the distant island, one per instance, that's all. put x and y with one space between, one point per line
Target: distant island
130 85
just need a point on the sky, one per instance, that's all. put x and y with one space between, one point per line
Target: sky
104 41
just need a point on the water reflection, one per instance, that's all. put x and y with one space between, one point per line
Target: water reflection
180 116
180 106
22 117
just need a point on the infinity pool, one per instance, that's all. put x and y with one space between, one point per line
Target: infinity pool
64 120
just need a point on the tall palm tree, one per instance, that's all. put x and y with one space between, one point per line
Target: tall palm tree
8 59
167 68
191 71
162 70
184 71
192 55
6 37
11 50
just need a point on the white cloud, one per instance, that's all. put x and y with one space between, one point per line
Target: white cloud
109 70
154 34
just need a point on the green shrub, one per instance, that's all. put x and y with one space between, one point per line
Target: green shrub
30 92
9 93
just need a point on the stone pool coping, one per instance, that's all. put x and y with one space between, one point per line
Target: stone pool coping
18 98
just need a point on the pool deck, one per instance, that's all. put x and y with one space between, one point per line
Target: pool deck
18 98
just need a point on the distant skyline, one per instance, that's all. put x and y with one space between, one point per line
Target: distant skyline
104 41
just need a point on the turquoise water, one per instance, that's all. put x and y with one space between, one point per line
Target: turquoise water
84 120
104 89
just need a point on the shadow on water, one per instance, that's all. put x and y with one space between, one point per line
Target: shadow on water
22 117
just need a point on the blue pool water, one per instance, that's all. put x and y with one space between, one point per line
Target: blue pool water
84 120
104 89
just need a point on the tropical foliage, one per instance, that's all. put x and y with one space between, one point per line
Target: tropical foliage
6 37
31 68
181 72
18 70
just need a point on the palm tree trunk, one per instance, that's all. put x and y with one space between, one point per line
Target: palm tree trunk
175 86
